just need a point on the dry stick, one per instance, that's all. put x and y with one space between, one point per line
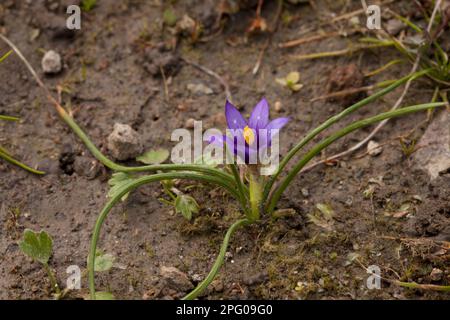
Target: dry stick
396 105
349 15
317 37
410 285
343 93
212 74
35 76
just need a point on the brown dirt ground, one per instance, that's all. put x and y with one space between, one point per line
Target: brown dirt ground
105 70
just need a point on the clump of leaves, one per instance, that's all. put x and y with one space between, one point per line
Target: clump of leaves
291 81
186 205
169 17
39 247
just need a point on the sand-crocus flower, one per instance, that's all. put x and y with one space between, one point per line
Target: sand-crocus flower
247 138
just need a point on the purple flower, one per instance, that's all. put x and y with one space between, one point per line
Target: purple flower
246 139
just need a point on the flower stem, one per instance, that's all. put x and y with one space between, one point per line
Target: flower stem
219 261
52 278
256 190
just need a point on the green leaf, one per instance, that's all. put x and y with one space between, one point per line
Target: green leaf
104 295
207 160
169 17
293 77
37 246
103 262
118 181
88 5
154 156
5 56
291 81
186 205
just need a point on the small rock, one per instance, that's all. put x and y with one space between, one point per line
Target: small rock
86 167
305 192
186 25
124 142
217 285
176 279
278 106
394 26
51 62
161 58
344 78
373 148
197 278
436 274
255 279
189 124
199 89
434 154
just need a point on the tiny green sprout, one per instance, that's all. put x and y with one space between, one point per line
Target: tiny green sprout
169 17
154 156
39 247
186 205
88 5
6 55
408 147
291 81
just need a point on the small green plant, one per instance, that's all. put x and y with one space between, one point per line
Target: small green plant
88 5
169 17
257 195
39 247
291 81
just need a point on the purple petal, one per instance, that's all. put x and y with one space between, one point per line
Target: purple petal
277 124
234 117
260 115
274 127
217 140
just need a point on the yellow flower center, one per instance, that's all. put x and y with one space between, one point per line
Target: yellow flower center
249 136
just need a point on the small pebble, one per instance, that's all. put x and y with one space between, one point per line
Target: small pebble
124 142
51 62
436 274
374 148
199 89
189 124
278 106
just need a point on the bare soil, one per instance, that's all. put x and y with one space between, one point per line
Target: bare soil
107 67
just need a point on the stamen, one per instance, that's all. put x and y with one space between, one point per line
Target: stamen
249 136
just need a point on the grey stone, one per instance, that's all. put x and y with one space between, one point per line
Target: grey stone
124 143
51 62
433 156
176 279
374 148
